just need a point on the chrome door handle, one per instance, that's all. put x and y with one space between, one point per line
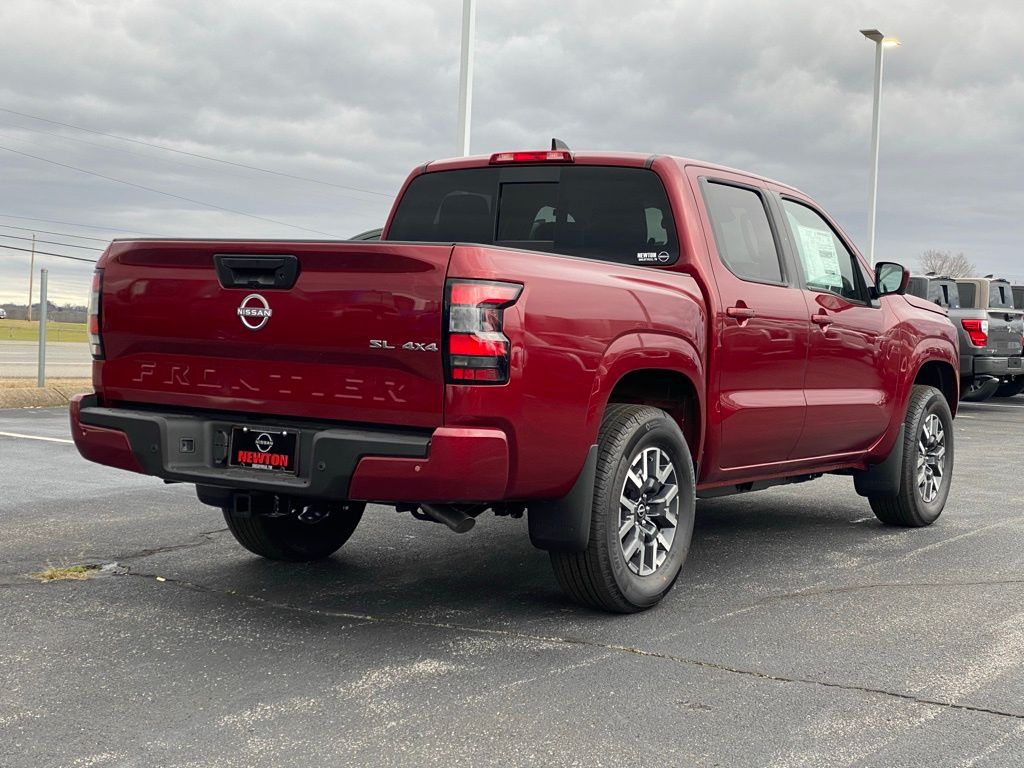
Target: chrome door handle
740 313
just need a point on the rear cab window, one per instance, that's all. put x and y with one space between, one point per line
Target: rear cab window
967 294
616 214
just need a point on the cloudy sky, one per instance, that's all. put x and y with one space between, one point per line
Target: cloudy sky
349 95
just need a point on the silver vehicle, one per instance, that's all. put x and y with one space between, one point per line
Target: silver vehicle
3 313
995 333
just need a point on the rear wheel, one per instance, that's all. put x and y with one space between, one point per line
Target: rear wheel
642 515
927 463
309 532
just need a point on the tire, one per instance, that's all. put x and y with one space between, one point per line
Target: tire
925 477
602 576
1011 388
293 539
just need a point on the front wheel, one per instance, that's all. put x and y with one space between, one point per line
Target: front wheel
309 532
642 515
927 468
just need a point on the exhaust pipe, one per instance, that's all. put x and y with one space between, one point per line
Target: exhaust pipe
454 518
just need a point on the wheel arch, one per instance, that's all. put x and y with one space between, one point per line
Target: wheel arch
657 370
943 376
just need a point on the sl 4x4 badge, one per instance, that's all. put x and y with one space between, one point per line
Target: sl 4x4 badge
412 346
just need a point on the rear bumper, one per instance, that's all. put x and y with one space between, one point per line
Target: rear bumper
998 366
334 462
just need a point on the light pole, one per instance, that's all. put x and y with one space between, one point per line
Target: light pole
466 74
881 43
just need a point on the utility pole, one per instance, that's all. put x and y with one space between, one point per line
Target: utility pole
41 374
31 272
466 74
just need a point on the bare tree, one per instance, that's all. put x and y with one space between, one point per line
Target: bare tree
946 263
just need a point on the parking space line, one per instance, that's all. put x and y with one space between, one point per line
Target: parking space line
36 437
992 405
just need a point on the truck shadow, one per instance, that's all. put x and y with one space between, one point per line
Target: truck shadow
397 566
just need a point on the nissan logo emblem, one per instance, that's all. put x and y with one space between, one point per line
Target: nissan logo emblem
264 442
254 311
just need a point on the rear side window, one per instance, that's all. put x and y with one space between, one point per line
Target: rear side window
601 212
743 235
1000 295
967 294
1018 297
944 293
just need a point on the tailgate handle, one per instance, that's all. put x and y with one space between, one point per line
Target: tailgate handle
256 271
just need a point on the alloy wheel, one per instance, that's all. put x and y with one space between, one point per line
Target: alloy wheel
648 510
931 458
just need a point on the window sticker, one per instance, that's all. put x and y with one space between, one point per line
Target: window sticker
821 261
652 257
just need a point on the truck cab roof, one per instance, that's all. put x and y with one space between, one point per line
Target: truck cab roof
623 159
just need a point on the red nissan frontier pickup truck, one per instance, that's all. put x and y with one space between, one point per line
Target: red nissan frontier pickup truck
595 340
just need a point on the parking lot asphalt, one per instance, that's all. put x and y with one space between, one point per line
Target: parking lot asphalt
66 359
801 632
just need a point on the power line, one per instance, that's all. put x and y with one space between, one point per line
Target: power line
48 253
51 242
167 194
77 224
48 232
147 156
195 154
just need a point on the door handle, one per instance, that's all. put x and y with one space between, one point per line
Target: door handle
822 319
256 271
740 313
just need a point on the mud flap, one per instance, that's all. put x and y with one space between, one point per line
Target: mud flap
883 479
563 525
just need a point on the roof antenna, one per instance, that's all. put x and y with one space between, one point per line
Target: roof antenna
557 144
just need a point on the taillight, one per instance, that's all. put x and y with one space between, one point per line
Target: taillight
977 331
95 309
542 156
476 349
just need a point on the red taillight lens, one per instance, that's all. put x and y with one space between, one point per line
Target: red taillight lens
977 331
543 156
477 351
95 308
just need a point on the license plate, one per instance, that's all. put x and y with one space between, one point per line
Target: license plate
265 450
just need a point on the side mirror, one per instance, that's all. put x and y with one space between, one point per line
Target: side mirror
891 278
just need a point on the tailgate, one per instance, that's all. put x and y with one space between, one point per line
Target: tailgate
1004 332
211 324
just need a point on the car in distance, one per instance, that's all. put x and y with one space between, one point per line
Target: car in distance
3 313
995 331
592 339
369 235
976 382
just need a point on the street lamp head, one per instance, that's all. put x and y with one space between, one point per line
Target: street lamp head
877 37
